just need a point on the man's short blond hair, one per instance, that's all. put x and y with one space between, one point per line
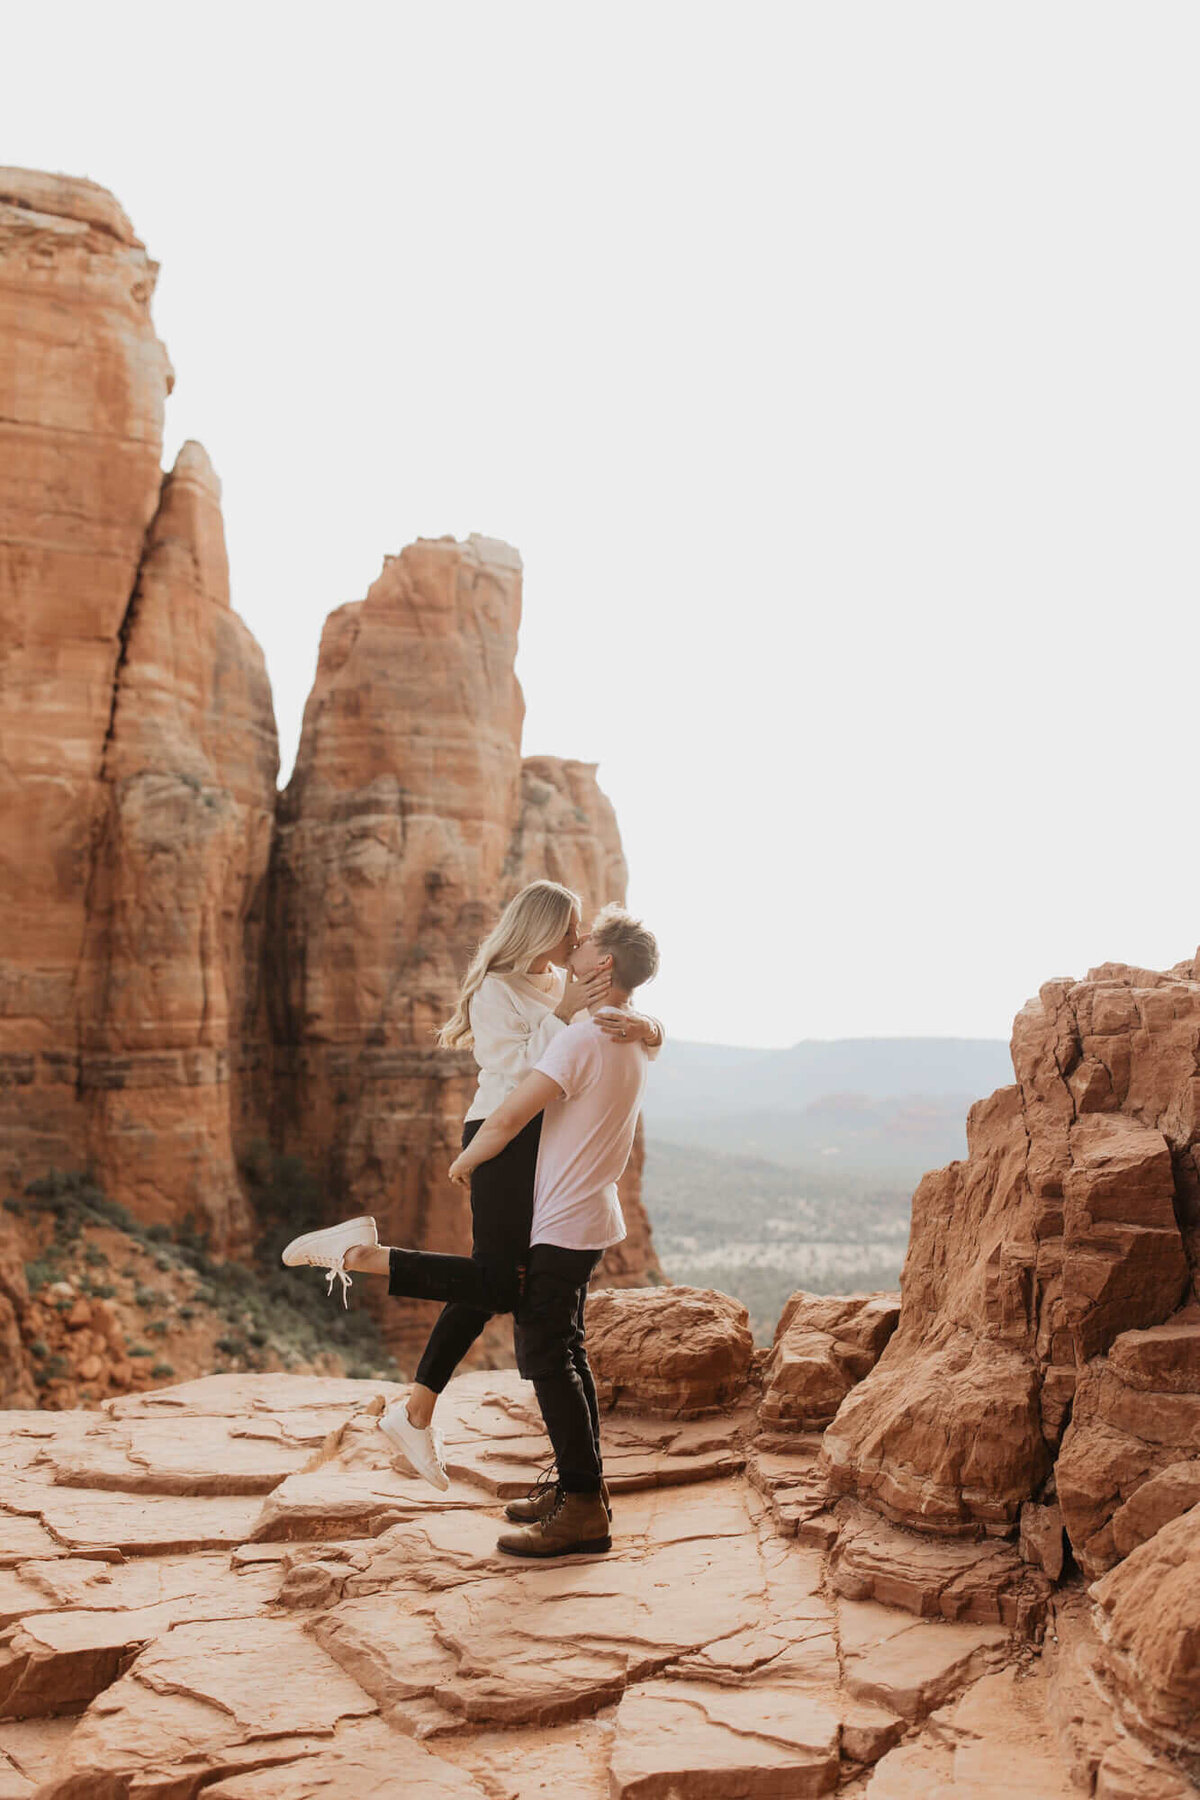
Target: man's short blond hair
633 949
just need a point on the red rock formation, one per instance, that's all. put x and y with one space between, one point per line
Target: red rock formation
176 902
143 1030
675 1351
407 824
1070 1225
1149 1617
83 380
16 1375
824 1344
566 831
138 758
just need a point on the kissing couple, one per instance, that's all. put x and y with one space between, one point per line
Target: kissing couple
562 1057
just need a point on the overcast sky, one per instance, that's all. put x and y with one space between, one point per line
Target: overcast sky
836 370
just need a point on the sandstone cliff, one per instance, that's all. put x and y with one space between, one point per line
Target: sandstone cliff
189 969
1038 1407
83 381
409 821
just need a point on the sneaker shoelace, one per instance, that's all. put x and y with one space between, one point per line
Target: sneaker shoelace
338 1270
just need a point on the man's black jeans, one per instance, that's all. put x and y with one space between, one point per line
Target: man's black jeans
548 1331
501 1220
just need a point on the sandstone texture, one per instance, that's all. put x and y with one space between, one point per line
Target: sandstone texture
195 967
678 1351
83 381
1048 1347
138 755
1034 1422
230 1587
824 1344
409 821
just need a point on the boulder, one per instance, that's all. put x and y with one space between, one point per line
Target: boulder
1148 1612
823 1345
677 1352
1130 1459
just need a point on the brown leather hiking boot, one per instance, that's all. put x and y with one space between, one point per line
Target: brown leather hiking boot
577 1524
542 1499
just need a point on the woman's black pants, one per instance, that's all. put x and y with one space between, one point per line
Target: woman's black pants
488 1281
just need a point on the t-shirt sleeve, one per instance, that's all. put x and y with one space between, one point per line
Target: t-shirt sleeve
571 1059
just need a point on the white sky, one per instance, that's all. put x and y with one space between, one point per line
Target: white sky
834 366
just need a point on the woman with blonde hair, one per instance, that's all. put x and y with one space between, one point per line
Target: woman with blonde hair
517 995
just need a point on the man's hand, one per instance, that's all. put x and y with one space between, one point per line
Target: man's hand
527 1099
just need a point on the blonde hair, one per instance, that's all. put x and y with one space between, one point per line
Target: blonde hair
532 923
633 949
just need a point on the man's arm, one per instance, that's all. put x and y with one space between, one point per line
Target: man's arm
525 1102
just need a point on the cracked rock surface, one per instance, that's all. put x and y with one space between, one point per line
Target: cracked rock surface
349 1631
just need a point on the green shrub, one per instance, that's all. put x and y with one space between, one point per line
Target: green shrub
158 1328
158 1234
162 1371
94 1256
39 1348
55 1368
147 1297
230 1346
186 1313
42 1271
140 1350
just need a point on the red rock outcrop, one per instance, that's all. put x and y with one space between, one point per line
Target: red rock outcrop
824 1344
1036 1272
566 830
676 1351
231 1587
145 1030
407 824
169 982
1149 1618
83 381
138 759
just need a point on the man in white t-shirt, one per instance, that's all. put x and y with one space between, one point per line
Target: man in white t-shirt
588 1089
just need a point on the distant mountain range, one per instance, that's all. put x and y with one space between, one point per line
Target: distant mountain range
893 1106
771 1170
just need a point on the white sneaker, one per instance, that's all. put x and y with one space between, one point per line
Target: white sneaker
327 1249
421 1449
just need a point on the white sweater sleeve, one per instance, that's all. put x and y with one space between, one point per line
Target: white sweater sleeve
506 1042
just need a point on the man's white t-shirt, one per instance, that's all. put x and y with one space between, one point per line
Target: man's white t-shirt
586 1137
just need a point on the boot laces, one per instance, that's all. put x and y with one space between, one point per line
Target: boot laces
547 1479
560 1500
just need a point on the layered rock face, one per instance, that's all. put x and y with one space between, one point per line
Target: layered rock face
169 1556
138 757
83 381
149 1025
409 821
1044 1378
1041 1277
177 908
392 838
279 1608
